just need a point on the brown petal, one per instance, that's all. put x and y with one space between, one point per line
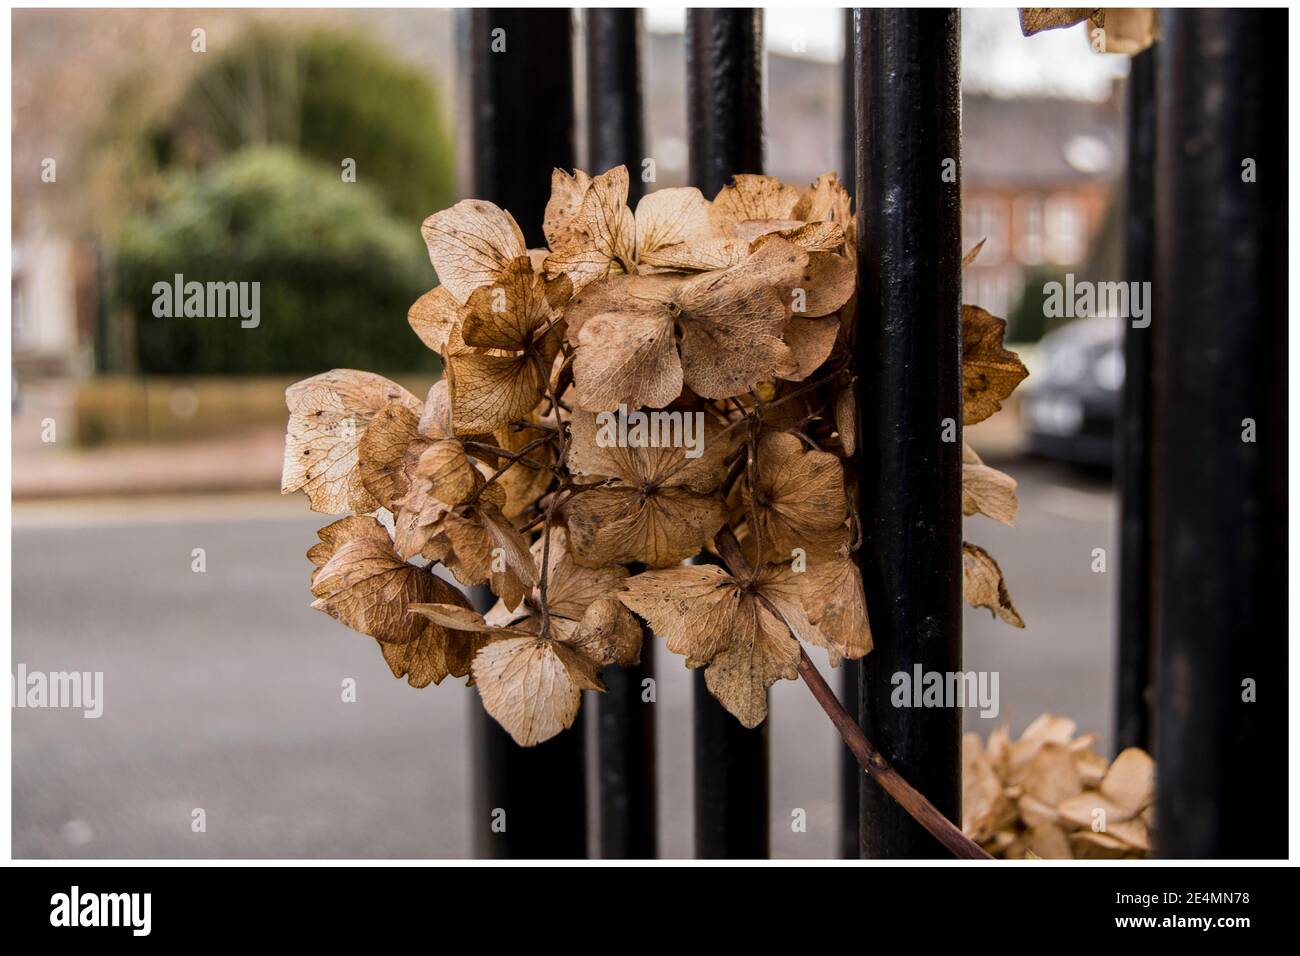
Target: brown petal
608 634
810 342
800 497
1130 781
562 208
831 591
751 197
698 255
435 420
986 490
603 237
365 585
637 296
433 315
695 609
825 200
828 281
505 313
983 585
627 360
1037 19
382 454
667 217
989 372
328 415
491 391
732 321
571 587
470 243
755 659
533 686
622 525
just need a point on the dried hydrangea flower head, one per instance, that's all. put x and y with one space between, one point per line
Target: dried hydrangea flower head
658 385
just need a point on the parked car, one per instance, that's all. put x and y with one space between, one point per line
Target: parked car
1072 400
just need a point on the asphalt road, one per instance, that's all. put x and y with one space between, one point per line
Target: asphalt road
222 689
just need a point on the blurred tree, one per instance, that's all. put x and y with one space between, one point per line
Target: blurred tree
330 95
337 270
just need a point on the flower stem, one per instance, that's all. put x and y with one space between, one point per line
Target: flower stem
869 758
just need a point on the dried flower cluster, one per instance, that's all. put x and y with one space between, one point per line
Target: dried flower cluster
1050 795
658 385
1110 30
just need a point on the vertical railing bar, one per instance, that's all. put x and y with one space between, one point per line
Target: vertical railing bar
540 789
724 71
626 731
850 671
908 357
1219 491
1133 699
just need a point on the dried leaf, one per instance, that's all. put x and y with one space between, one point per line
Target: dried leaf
799 500
657 507
983 585
989 372
470 243
740 633
627 360
1037 19
832 594
601 239
668 217
810 342
433 316
751 197
533 686
328 415
732 322
698 255
361 582
986 490
829 281
563 206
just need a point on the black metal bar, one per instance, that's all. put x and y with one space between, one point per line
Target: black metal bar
541 789
1219 494
851 671
908 355
1133 691
626 732
724 100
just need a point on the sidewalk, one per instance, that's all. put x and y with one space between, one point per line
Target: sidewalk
237 463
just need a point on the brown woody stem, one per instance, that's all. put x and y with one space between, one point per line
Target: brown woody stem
877 767
869 758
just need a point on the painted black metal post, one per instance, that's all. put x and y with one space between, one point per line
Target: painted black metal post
724 100
626 732
1133 689
1219 493
850 671
908 355
516 60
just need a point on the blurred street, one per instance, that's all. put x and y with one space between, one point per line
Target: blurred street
222 689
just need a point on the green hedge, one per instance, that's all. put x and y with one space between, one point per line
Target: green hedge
337 271
327 95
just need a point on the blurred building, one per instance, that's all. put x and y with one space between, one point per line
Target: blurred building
1037 175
